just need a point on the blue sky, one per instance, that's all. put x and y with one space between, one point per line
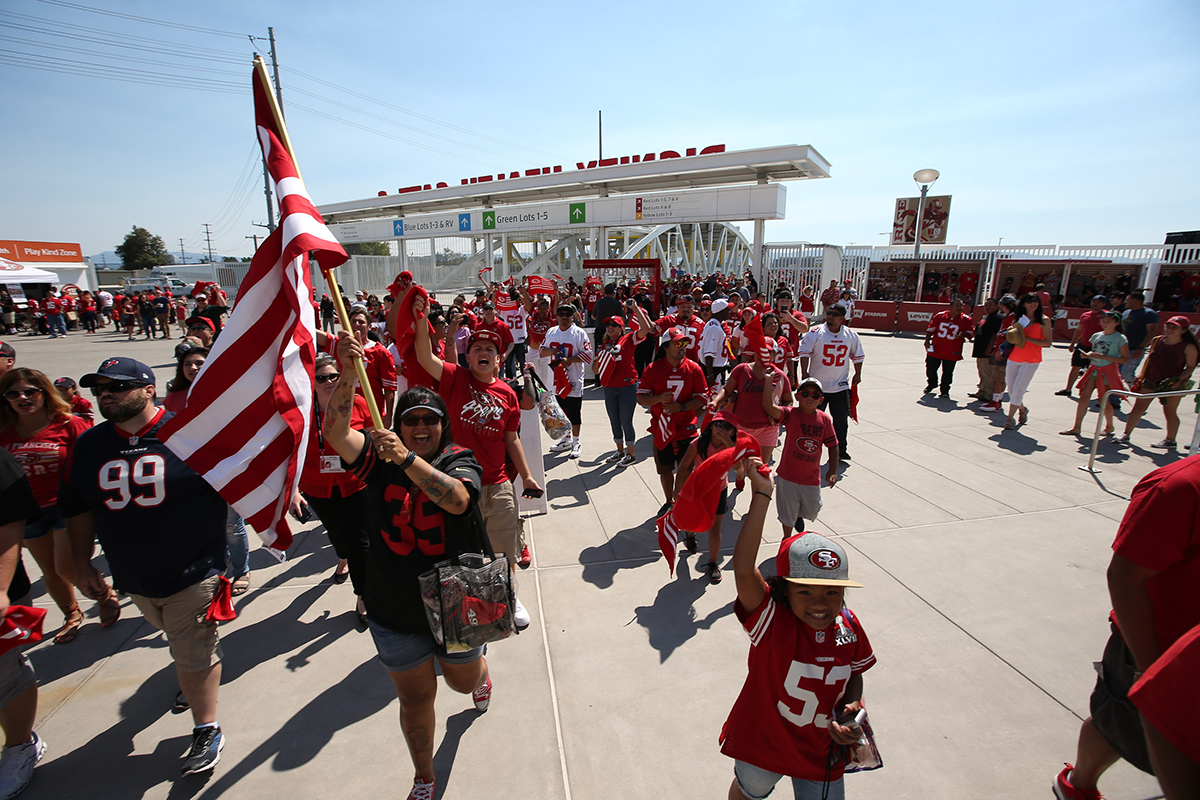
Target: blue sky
1051 122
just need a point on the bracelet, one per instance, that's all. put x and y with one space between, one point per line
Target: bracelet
764 494
408 460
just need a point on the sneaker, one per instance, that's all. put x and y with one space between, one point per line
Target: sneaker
520 616
1122 439
562 445
16 766
576 449
690 541
990 407
207 743
1063 393
944 395
422 789
1063 789
614 458
1164 444
714 573
928 390
483 695
844 456
626 460
664 508
181 703
525 559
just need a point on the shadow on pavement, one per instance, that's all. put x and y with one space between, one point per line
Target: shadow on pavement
671 621
443 759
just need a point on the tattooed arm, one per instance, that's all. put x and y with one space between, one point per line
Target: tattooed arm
449 493
337 431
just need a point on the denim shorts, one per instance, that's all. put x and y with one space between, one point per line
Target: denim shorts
50 520
401 652
756 783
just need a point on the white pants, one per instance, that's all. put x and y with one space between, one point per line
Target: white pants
1018 374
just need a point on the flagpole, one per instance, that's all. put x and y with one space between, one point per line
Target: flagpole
260 68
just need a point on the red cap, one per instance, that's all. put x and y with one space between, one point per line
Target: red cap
406 276
706 303
483 335
678 335
614 321
1181 321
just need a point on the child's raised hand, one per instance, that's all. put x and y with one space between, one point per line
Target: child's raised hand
758 481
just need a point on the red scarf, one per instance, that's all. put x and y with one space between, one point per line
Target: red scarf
404 335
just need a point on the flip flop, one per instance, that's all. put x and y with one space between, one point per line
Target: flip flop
240 585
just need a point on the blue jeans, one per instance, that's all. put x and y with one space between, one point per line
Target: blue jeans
238 545
619 402
58 324
757 783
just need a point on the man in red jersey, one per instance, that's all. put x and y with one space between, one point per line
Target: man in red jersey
943 345
673 388
685 319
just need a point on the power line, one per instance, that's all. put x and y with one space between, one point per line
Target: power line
124 71
120 57
106 38
11 61
146 20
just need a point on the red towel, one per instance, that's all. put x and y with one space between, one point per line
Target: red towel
404 335
758 341
221 608
854 403
21 625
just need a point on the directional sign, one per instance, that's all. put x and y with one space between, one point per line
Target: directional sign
464 222
489 220
398 227
578 213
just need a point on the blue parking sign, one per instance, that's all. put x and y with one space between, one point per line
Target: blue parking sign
397 227
464 222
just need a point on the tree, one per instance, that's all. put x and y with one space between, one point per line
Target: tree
247 259
230 259
142 250
367 249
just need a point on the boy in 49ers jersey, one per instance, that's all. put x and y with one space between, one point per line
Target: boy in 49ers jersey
944 343
673 388
827 353
807 656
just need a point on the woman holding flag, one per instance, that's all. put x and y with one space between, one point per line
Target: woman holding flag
720 432
614 366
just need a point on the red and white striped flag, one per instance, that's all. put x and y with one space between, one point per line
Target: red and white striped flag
539 285
246 425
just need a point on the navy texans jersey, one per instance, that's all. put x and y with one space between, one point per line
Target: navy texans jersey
161 525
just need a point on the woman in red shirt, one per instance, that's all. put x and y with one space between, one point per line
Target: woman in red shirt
38 428
614 365
335 494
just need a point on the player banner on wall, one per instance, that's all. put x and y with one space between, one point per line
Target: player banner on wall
933 221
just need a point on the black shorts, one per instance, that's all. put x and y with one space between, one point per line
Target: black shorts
667 459
1077 359
573 408
723 502
1113 714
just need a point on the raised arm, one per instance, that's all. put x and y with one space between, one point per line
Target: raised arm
768 397
424 350
346 441
751 588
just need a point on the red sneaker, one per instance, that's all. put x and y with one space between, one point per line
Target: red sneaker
525 559
990 407
422 789
1063 789
482 696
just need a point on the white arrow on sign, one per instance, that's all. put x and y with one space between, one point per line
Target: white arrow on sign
577 212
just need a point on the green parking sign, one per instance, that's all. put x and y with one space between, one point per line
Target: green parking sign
489 220
578 213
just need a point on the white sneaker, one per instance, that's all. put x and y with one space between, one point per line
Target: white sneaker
16 766
520 616
562 445
576 449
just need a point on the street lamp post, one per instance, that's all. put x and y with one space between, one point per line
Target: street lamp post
925 178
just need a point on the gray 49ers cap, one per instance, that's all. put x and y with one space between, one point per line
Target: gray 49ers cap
811 558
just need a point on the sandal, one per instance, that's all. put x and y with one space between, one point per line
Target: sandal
1109 432
71 626
714 573
1009 425
241 585
110 609
1023 415
1071 432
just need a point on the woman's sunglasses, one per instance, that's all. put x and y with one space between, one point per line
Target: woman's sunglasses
329 377
428 420
14 394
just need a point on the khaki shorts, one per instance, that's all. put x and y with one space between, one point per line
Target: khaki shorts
498 504
182 617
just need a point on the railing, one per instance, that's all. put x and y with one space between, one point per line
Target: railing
1125 393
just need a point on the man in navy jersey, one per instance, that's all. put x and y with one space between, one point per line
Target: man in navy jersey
162 528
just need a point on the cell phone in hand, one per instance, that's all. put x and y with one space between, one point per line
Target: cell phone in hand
305 513
532 493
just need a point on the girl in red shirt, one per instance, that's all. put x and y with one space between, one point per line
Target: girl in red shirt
38 428
614 365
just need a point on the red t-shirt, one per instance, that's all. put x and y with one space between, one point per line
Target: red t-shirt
693 328
967 282
1161 531
791 333
1169 694
797 675
947 330
380 367
684 382
749 406
538 325
496 326
1089 323
808 303
481 414
82 408
322 466
800 461
43 454
615 361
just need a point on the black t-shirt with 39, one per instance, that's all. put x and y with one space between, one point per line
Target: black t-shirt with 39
407 533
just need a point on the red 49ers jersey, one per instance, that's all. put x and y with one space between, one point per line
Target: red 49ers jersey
797 675
693 328
684 382
947 342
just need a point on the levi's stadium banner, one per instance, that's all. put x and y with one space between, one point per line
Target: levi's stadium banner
933 221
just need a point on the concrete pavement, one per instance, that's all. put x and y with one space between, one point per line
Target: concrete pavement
983 553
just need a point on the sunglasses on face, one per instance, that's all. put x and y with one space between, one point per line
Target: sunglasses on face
14 394
428 420
329 377
812 395
197 328
566 316
116 387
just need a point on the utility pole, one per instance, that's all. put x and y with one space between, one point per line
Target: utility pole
275 71
253 236
208 236
182 254
600 128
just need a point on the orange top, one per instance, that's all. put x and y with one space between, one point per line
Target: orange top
1029 353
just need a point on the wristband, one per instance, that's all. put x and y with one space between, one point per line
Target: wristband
764 494
408 460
